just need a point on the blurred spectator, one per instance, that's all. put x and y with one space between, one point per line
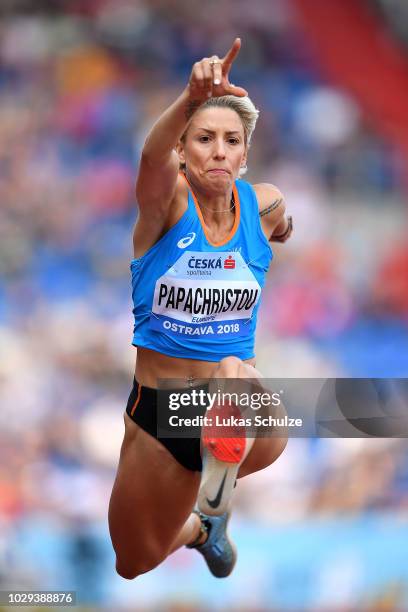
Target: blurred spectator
80 83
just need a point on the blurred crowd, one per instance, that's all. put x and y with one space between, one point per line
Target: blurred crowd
395 13
81 82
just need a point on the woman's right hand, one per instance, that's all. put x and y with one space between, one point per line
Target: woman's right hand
210 77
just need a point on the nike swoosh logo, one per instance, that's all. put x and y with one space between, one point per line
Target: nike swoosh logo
216 501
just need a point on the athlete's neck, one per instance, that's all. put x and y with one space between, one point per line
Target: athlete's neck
213 202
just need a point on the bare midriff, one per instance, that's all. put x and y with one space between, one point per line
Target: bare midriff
152 366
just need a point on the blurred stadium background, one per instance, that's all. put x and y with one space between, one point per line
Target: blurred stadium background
81 82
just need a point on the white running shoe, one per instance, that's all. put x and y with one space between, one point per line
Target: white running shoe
224 448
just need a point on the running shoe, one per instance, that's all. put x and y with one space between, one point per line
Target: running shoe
224 448
218 550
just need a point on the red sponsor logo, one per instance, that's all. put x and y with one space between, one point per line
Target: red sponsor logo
229 263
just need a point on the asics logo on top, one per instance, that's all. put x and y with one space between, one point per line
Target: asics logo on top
186 241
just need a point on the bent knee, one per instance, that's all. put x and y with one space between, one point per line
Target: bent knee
229 367
233 367
230 364
138 565
135 569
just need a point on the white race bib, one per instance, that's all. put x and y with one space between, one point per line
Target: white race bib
205 293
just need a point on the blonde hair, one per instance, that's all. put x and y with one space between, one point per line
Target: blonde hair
245 109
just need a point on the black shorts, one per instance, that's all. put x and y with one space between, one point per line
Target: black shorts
142 408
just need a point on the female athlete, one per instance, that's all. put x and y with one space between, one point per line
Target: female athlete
201 254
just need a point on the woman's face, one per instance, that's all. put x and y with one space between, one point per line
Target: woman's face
214 148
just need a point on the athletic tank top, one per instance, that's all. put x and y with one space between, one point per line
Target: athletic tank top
198 300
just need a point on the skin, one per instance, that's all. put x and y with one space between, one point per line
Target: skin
214 139
213 150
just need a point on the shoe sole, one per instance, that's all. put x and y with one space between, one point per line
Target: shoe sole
222 458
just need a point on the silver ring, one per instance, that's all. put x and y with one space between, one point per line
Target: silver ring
213 62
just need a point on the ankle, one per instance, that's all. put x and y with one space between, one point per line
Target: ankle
202 534
202 537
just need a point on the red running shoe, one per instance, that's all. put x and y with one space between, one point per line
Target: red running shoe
224 448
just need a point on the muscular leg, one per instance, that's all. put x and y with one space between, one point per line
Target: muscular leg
152 498
188 533
153 495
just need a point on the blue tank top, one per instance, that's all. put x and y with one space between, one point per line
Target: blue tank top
198 300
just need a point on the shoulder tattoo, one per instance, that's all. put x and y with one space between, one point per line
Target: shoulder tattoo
275 204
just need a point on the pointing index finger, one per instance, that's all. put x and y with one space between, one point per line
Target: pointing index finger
231 55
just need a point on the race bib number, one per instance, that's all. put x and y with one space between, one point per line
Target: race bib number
205 294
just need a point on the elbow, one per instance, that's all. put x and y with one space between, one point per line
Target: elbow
282 234
148 158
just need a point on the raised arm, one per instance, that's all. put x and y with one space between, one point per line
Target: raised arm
159 164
